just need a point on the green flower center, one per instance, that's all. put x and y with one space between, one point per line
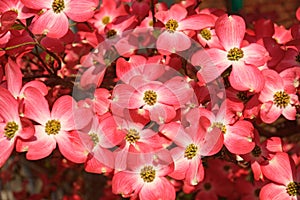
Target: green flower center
58 6
190 151
281 99
132 136
52 127
10 129
235 54
206 34
150 97
171 25
293 188
148 174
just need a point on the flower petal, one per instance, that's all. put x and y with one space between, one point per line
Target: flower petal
274 192
246 78
230 30
82 10
52 24
282 166
168 43
37 5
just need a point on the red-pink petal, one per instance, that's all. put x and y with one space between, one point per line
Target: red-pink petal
207 68
93 76
36 84
82 10
269 112
255 54
168 43
162 113
64 110
14 77
280 165
6 149
195 172
212 143
219 59
37 5
126 183
8 106
289 112
196 22
230 30
38 147
52 24
181 164
274 192
71 147
37 107
239 137
246 77
162 187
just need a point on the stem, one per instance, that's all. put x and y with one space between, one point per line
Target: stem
153 12
17 46
57 58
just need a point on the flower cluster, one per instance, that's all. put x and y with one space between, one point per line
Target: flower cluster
163 101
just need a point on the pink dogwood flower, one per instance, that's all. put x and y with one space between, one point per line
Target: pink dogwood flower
276 100
285 183
12 127
53 21
161 100
244 59
145 177
192 143
238 134
176 21
53 128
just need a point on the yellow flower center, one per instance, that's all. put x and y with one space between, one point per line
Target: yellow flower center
94 138
132 136
293 188
58 6
220 126
171 25
52 127
105 20
235 54
206 34
10 129
190 151
281 99
148 174
150 97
